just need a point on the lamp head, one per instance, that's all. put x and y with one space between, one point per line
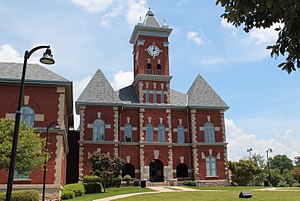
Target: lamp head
47 57
57 126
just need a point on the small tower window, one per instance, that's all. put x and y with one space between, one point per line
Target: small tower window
159 71
154 96
162 96
149 69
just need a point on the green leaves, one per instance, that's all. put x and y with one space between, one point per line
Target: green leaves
30 151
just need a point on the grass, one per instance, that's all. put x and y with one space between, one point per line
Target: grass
224 194
110 192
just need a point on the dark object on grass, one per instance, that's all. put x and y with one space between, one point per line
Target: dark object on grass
245 195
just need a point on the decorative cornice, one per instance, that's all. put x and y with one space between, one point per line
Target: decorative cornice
157 78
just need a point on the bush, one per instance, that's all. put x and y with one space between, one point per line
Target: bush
93 187
77 188
117 181
91 179
296 185
26 195
189 183
127 178
67 194
137 182
282 184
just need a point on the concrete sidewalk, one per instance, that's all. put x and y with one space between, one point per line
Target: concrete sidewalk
157 189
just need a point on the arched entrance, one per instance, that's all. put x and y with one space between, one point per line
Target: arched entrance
156 171
128 169
181 171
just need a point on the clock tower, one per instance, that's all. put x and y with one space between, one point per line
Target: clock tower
151 60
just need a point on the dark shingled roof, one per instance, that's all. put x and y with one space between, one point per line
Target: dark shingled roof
34 72
98 91
202 95
128 94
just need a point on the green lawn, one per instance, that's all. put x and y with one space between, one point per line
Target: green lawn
110 192
225 194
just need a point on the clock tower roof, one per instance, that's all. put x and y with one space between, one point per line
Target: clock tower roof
150 27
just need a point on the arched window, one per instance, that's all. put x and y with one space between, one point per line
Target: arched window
211 166
98 130
27 116
209 132
149 69
180 134
158 70
149 133
128 169
128 133
161 133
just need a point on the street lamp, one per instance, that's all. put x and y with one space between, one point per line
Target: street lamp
269 150
46 59
45 162
250 150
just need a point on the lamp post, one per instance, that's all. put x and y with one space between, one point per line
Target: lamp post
269 173
250 150
46 59
45 162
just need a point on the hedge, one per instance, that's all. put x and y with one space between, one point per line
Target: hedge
189 183
77 188
92 187
91 179
25 195
67 194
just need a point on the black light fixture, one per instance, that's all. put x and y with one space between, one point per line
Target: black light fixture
56 126
249 150
46 59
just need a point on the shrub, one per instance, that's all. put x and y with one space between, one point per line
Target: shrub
25 195
127 178
137 182
91 179
282 184
189 183
296 185
77 188
95 187
67 194
117 181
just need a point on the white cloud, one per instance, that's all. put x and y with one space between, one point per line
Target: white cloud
181 2
9 54
136 9
93 6
194 36
239 141
122 79
262 36
227 25
106 19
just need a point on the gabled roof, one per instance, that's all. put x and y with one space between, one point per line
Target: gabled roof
202 95
98 92
11 72
177 98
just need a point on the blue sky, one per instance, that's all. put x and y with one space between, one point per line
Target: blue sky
86 35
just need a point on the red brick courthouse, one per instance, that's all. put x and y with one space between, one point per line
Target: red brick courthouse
48 97
160 133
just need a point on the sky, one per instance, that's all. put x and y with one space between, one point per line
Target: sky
86 35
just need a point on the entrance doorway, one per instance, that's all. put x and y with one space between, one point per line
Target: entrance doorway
128 169
181 171
156 171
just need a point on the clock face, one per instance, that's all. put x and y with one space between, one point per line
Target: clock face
153 50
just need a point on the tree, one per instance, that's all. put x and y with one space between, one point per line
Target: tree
105 167
31 152
296 173
244 171
264 14
282 163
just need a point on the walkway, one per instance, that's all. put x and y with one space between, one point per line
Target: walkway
156 189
